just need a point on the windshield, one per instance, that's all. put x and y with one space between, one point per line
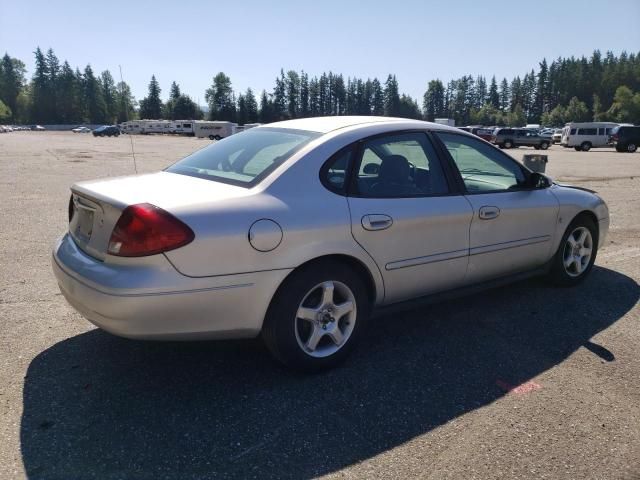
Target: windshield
246 158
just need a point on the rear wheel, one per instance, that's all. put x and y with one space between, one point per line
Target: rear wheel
317 316
544 145
577 149
585 147
576 254
632 147
508 144
218 137
211 137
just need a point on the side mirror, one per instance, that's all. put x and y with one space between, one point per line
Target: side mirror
538 180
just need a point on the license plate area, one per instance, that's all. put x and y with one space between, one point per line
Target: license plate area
82 219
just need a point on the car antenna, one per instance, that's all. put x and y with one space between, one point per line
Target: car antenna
126 116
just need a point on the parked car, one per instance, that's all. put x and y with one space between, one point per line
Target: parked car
483 133
625 138
519 137
587 135
81 130
37 128
556 136
106 131
297 230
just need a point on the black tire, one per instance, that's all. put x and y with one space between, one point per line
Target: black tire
585 146
211 137
559 274
632 147
281 331
507 144
544 145
577 149
218 137
537 147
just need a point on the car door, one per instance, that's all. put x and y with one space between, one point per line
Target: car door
406 214
513 226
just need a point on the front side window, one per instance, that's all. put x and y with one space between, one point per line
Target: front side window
483 169
246 158
399 165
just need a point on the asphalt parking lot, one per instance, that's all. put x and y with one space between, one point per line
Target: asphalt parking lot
526 381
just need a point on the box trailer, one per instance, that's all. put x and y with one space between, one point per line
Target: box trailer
446 121
214 130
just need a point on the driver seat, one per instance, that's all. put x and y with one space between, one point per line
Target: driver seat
394 178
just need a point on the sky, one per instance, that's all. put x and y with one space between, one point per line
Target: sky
251 40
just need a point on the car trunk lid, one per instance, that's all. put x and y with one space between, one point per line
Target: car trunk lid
97 205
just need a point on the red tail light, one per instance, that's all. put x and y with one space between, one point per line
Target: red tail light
145 229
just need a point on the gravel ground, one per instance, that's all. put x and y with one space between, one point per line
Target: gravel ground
526 381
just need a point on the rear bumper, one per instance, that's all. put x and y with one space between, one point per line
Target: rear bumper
153 301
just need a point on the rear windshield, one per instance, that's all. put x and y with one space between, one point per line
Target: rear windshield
246 158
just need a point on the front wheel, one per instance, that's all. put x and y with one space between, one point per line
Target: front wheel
544 145
317 316
576 254
508 144
632 147
211 137
585 147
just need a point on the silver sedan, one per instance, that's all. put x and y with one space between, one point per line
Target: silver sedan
299 230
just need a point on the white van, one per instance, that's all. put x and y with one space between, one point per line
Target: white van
584 136
213 130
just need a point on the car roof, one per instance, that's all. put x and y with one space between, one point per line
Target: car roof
329 124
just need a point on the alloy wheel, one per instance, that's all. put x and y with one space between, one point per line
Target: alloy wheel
325 319
577 251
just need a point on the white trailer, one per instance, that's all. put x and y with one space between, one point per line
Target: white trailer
586 135
213 130
446 121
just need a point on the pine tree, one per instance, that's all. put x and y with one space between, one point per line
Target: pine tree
494 97
251 106
292 86
94 100
53 69
304 95
433 101
266 109
377 98
151 106
280 98
391 97
39 88
109 94
505 95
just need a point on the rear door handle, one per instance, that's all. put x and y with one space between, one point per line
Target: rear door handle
376 221
489 212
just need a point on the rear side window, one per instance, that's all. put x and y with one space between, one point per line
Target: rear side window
246 158
334 174
587 131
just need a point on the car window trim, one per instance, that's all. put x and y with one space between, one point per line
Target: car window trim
451 161
352 190
347 173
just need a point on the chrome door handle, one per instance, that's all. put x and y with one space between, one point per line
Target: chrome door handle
376 222
488 213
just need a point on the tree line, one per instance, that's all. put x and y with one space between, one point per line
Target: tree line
568 89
